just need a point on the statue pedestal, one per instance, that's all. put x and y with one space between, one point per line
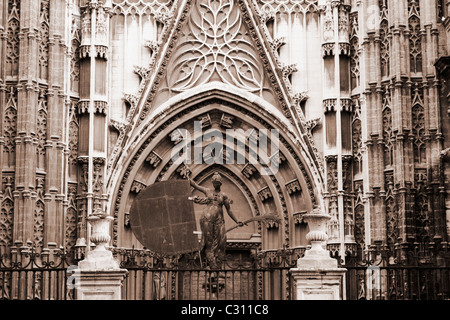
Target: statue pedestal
99 276
99 285
317 276
319 284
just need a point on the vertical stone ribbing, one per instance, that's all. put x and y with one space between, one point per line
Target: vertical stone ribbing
56 112
26 142
93 106
339 67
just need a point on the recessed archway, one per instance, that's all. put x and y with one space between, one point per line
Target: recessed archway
293 190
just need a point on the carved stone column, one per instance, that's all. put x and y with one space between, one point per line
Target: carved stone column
317 276
93 109
337 109
99 275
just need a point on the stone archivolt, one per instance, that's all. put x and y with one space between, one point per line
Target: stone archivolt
180 116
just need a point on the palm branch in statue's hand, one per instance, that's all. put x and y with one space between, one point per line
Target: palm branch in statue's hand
264 219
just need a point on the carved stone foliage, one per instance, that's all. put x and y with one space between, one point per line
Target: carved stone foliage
142 72
10 126
415 36
12 38
215 46
7 212
183 171
44 20
276 43
298 217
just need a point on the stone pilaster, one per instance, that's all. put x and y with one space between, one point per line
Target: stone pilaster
54 142
27 106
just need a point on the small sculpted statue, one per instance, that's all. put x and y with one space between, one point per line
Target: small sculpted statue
212 221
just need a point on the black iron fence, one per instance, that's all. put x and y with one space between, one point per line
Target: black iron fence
381 274
420 272
26 274
263 276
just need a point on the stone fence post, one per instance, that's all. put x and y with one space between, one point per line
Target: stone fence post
99 276
317 276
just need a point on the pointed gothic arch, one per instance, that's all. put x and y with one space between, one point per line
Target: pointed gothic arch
146 159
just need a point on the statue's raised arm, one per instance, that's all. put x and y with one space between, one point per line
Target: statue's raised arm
196 186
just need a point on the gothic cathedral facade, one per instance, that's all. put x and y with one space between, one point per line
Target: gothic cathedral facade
93 94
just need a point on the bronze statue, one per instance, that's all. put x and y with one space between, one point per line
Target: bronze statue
212 222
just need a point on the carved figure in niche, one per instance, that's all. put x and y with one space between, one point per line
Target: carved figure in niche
212 222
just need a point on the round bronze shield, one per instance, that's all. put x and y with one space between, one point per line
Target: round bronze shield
162 218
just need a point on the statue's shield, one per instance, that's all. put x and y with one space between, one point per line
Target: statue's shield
163 220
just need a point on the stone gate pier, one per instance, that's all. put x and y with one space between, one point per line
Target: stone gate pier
99 276
317 276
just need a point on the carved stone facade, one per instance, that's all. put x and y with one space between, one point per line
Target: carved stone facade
95 95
